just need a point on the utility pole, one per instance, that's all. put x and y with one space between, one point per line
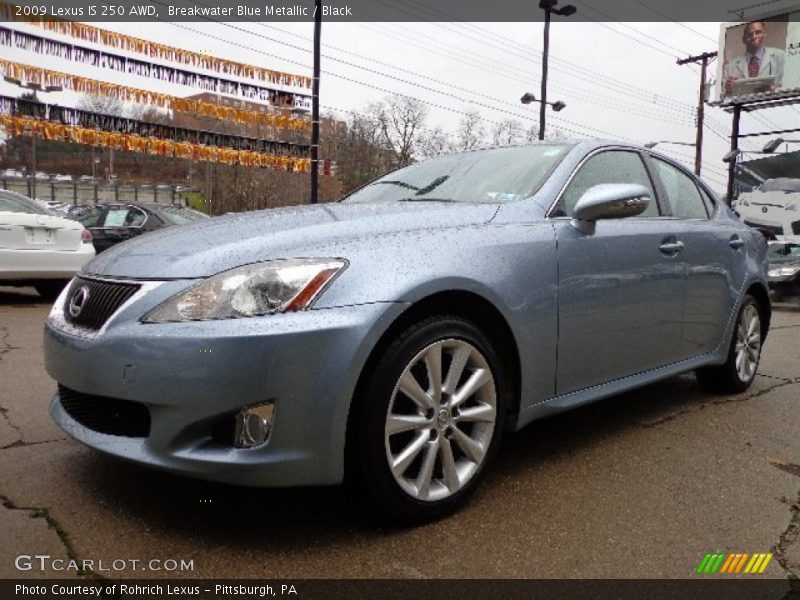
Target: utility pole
315 103
703 59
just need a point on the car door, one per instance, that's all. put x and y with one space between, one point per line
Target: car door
714 257
620 289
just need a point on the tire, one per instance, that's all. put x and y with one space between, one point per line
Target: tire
50 289
744 354
439 432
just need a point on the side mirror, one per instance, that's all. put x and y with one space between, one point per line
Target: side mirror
609 201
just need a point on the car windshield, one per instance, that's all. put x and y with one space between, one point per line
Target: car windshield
178 215
492 176
13 202
782 250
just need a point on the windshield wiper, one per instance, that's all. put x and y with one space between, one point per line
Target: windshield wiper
400 183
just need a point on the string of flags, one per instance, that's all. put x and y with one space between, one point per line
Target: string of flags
76 83
129 43
150 70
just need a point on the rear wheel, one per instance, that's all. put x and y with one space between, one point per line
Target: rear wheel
430 420
50 289
744 354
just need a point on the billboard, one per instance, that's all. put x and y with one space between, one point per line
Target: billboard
759 59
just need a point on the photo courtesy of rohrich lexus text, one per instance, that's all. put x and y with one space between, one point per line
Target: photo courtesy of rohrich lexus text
342 298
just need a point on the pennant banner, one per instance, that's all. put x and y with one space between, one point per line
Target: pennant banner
153 50
149 145
123 64
75 83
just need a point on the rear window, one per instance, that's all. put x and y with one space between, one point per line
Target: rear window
108 216
11 202
88 216
178 215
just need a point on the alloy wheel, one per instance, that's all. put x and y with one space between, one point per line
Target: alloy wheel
748 343
441 420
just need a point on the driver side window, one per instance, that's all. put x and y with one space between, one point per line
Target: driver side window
611 166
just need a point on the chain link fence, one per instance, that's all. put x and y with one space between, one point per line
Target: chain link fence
93 192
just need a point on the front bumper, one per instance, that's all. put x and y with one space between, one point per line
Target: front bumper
785 286
189 374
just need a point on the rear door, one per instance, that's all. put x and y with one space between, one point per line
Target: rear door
714 254
621 289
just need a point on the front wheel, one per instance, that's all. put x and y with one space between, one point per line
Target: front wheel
744 354
430 419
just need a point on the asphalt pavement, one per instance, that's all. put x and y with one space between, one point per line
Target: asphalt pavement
641 485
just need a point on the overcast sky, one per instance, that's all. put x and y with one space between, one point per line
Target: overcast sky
618 80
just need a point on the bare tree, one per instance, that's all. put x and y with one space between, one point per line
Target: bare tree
508 131
435 142
471 131
400 118
106 105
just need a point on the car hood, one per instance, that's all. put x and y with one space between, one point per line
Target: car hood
222 243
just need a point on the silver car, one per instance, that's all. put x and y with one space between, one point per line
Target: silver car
390 338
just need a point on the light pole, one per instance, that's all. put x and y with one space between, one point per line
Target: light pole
558 105
34 87
549 6
315 103
772 145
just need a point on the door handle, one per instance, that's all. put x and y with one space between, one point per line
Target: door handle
671 247
736 242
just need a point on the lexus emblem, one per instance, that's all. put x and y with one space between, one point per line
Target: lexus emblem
78 301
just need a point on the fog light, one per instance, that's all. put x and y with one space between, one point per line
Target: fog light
253 425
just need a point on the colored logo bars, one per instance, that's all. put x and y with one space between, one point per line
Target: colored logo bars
730 564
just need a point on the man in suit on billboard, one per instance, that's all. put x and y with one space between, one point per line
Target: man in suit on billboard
760 63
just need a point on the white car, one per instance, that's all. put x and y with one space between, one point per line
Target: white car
772 208
39 248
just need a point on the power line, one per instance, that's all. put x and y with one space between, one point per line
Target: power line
392 92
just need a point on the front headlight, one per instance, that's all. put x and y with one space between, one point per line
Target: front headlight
252 290
784 272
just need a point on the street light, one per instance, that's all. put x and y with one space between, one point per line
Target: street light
654 144
772 145
557 106
549 6
34 87
733 155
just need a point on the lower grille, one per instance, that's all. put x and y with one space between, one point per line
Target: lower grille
122 418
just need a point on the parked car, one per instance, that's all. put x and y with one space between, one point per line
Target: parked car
784 269
114 223
390 338
773 208
13 173
39 248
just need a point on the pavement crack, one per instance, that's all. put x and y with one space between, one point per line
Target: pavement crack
4 414
5 347
719 401
43 513
21 444
788 538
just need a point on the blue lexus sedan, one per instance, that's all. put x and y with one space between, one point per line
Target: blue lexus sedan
389 339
